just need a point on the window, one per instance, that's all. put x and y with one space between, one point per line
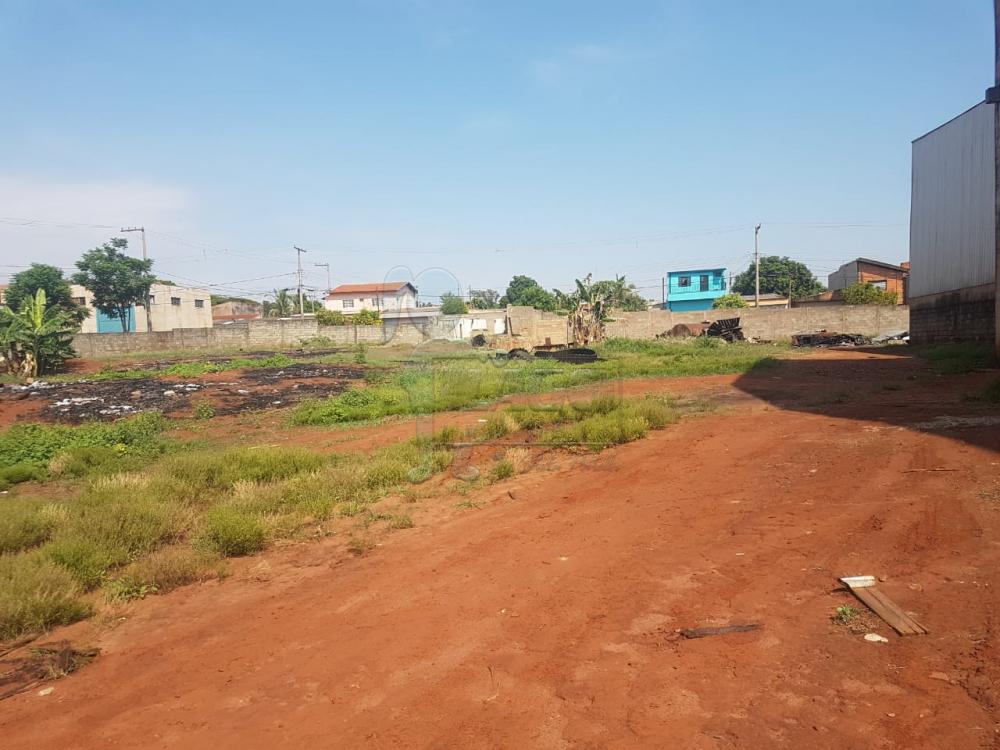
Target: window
82 301
704 282
880 284
152 299
199 303
683 281
348 304
175 301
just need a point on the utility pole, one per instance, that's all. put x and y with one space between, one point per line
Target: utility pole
142 231
298 257
756 262
663 292
149 312
327 267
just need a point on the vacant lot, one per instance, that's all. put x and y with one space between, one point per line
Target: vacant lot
534 602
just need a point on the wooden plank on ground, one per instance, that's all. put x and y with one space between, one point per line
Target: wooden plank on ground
865 589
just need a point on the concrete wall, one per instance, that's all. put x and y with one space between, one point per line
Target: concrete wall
959 315
246 335
528 327
771 324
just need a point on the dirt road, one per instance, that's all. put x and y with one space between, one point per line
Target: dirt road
547 617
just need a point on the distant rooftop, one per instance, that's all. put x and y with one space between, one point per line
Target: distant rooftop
390 286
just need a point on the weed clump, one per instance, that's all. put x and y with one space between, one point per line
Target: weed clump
232 532
23 525
36 594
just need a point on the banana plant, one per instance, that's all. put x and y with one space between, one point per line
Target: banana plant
36 338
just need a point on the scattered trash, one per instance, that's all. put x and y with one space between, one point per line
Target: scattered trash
943 677
865 589
46 691
875 638
829 338
892 337
723 630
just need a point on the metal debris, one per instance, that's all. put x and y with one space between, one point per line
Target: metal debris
829 338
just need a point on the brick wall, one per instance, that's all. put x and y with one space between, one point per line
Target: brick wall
961 315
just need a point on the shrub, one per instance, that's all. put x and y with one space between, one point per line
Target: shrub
400 522
331 318
83 559
600 431
502 470
866 293
86 459
367 318
498 425
203 410
23 524
232 532
354 405
21 473
519 458
729 302
35 595
161 572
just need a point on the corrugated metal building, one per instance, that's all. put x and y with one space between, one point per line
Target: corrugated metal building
952 282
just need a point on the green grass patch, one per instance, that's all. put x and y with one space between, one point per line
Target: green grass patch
37 444
434 384
24 523
232 532
600 429
35 595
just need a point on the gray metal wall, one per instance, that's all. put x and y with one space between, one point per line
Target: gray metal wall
952 205
843 277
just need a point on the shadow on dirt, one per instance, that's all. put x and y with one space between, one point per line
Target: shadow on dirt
895 386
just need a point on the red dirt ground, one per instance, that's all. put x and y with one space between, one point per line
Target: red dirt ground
547 618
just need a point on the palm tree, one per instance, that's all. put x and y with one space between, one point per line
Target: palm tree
282 306
37 337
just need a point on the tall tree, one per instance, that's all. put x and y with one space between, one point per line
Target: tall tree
524 290
452 304
777 276
484 299
117 281
24 285
282 306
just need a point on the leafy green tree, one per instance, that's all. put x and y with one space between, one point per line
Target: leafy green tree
484 299
524 290
115 280
619 294
36 338
863 293
729 302
452 304
777 275
25 284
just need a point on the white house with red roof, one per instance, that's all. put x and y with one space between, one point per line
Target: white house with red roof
388 297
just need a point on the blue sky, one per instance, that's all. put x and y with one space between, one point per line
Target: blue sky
469 141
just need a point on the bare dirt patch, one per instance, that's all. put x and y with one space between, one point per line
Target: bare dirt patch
542 611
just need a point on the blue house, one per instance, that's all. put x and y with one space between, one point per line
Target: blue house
695 290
